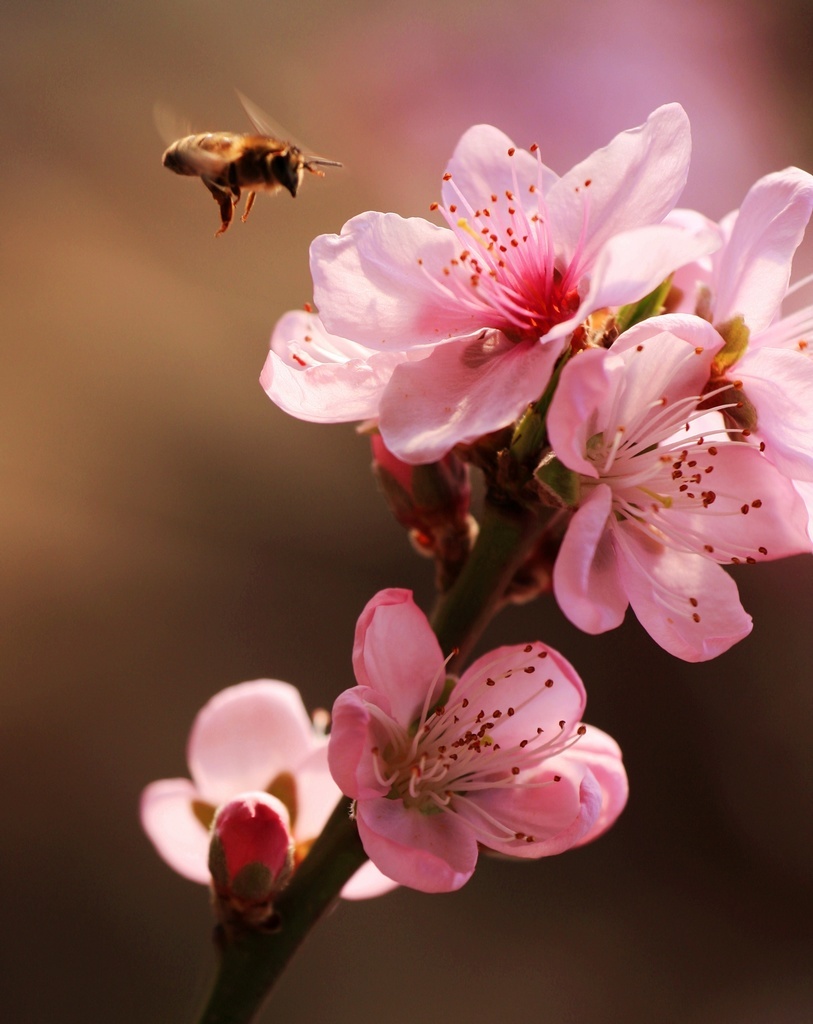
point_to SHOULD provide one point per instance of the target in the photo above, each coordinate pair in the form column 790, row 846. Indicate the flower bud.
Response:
column 432, row 502
column 251, row 856
column 425, row 496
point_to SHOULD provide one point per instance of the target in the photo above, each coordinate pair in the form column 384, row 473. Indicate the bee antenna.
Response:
column 320, row 161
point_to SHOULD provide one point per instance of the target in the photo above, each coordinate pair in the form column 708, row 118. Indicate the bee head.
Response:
column 286, row 168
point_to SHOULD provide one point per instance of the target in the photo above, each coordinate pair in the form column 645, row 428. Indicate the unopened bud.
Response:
column 251, row 856
column 422, row 497
column 432, row 502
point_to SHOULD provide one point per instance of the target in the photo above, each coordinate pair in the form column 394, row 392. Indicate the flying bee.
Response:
column 227, row 162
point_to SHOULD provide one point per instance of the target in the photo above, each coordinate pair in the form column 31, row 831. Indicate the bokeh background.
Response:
column 167, row 532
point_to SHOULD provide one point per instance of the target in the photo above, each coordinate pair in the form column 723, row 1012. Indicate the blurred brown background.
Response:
column 168, row 532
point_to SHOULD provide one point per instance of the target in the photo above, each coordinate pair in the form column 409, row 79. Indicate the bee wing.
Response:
column 266, row 125
column 170, row 126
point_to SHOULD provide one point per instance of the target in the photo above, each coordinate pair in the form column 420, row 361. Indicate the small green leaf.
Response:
column 558, row 481
column 650, row 305
column 736, row 336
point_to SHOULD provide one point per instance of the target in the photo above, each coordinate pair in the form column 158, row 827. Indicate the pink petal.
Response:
column 584, row 386
column 780, row 384
column 526, row 687
column 177, row 834
column 370, row 284
column 691, row 330
column 633, row 263
column 601, row 755
column 687, row 603
column 428, row 852
column 755, row 267
column 325, row 379
column 557, row 815
column 351, row 739
column 774, row 524
column 245, row 736
column 701, row 273
column 635, row 180
column 481, row 167
column 586, row 578
column 463, row 390
column 396, row 653
column 367, row 883
column 666, row 359
column 316, row 794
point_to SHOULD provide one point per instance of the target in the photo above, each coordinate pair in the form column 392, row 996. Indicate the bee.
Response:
column 227, row 162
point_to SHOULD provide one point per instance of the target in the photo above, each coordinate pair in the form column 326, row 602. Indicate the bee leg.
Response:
column 249, row 203
column 226, row 200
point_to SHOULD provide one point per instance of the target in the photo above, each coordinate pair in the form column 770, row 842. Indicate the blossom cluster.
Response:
column 679, row 398
column 624, row 373
column 437, row 767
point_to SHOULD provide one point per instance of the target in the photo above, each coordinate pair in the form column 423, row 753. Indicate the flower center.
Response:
column 660, row 461
column 466, row 745
column 506, row 271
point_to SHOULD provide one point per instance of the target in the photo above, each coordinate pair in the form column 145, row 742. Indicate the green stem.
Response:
column 507, row 535
column 251, row 962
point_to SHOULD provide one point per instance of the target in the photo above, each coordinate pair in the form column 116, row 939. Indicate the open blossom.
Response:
column 486, row 303
column 663, row 492
column 439, row 767
column 747, row 280
column 255, row 736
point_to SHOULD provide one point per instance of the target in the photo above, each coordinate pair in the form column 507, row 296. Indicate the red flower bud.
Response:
column 251, row 856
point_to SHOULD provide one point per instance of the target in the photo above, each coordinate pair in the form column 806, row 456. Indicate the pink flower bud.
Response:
column 251, row 856
column 426, row 496
column 432, row 502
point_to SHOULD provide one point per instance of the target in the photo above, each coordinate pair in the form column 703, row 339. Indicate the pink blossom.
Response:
column 748, row 278
column 663, row 493
column 439, row 767
column 255, row 736
column 489, row 300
